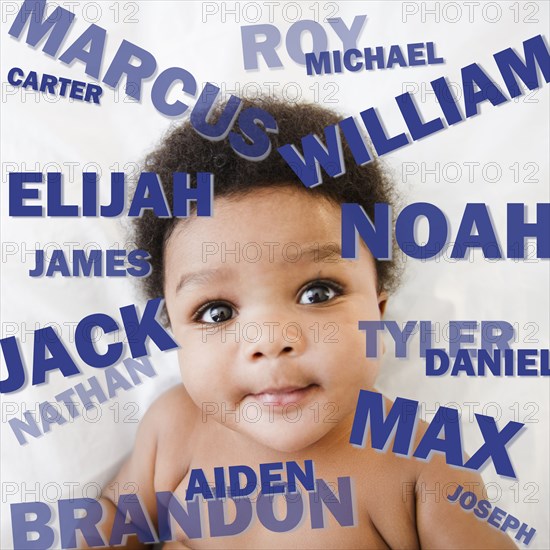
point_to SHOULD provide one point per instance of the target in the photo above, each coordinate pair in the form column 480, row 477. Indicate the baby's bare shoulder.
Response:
column 164, row 438
column 441, row 523
column 171, row 422
column 172, row 411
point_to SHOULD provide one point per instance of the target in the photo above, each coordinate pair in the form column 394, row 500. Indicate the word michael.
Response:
column 137, row 65
column 87, row 263
column 324, row 63
column 132, row 519
column 403, row 417
column 468, row 502
column 50, row 354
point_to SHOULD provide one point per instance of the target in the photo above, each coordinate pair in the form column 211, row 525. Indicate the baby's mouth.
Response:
column 280, row 397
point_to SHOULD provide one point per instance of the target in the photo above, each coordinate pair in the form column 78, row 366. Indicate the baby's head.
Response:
column 263, row 306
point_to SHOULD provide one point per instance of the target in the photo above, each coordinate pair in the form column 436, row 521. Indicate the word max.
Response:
column 403, row 417
column 49, row 353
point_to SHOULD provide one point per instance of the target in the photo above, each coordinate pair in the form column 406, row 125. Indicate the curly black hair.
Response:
column 184, row 150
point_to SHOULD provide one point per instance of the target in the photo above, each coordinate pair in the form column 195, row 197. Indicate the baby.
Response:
column 266, row 314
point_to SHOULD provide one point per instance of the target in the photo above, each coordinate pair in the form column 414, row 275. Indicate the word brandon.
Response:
column 132, row 519
column 49, row 353
column 321, row 63
column 468, row 501
column 48, row 84
column 475, row 230
column 400, row 423
column 494, row 334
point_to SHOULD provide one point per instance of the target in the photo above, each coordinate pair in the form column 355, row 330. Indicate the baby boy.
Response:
column 266, row 315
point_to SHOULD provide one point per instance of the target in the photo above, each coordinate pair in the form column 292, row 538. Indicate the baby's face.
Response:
column 266, row 315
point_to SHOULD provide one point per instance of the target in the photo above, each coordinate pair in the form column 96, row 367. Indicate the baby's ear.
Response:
column 382, row 301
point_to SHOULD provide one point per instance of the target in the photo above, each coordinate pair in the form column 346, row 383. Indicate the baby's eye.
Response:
column 215, row 312
column 319, row 292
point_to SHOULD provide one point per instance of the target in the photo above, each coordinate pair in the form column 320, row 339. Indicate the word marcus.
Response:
column 137, row 65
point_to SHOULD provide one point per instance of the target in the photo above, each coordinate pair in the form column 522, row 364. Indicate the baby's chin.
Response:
column 285, row 437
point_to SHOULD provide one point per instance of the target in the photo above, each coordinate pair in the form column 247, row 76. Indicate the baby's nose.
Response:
column 272, row 340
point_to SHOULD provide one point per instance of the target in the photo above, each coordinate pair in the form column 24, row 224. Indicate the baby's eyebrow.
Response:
column 321, row 251
column 200, row 277
column 315, row 252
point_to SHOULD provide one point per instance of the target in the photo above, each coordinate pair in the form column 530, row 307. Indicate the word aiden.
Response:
column 404, row 413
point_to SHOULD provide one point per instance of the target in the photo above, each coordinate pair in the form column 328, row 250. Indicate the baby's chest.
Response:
column 355, row 500
column 334, row 515
column 275, row 521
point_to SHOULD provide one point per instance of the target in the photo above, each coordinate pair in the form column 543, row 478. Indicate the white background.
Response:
column 37, row 131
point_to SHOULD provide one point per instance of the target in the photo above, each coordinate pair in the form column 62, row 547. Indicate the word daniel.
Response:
column 254, row 123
